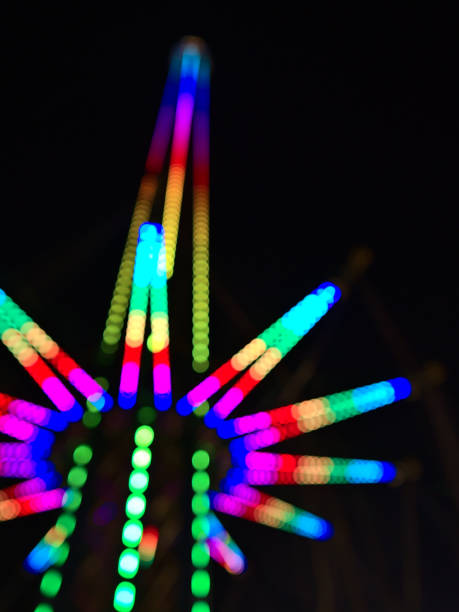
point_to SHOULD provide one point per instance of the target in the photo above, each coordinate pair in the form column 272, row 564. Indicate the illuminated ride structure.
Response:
column 162, row 441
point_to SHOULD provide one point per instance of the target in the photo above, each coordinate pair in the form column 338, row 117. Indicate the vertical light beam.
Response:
column 180, row 143
column 200, row 306
column 146, row 262
column 162, row 388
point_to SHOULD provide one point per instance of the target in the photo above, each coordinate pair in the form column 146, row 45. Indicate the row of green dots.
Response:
column 129, row 559
column 200, row 505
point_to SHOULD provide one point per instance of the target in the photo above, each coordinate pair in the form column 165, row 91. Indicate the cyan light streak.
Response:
column 265, row 350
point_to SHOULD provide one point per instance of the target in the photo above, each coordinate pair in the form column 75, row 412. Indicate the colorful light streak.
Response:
column 34, row 485
column 142, row 210
column 200, row 281
column 32, row 413
column 319, row 412
column 159, row 319
column 146, row 263
column 11, row 467
column 291, row 328
column 223, row 548
column 266, row 350
column 189, row 69
column 58, row 358
column 31, row 504
column 296, row 419
column 253, row 505
column 284, row 469
column 21, row 450
column 225, row 556
column 39, row 371
column 26, row 432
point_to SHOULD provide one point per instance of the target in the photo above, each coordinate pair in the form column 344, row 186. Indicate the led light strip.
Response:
column 223, row 548
column 11, row 467
column 129, row 559
column 322, row 411
column 291, row 328
column 58, row 358
column 162, row 388
column 11, row 426
column 200, row 282
column 32, row 413
column 281, row 336
column 253, row 505
column 225, row 556
column 10, row 451
column 146, row 262
column 180, row 142
column 34, row 485
column 39, row 371
column 30, row 504
column 300, row 418
column 274, row 468
column 200, row 529
column 142, row 210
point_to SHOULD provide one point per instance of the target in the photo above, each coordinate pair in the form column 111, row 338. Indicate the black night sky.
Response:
column 331, row 130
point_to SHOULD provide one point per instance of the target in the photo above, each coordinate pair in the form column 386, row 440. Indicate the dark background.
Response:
column 330, row 129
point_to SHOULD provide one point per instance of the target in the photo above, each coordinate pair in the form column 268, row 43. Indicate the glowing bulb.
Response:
column 128, row 564
column 141, row 458
column 132, row 533
column 135, row 505
column 144, row 436
column 124, row 597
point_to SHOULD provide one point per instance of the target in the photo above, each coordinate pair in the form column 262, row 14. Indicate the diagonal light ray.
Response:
column 31, row 504
column 223, row 549
column 316, row 413
column 280, row 337
column 39, row 371
column 296, row 419
column 38, row 484
column 251, row 504
column 52, row 352
column 32, row 413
